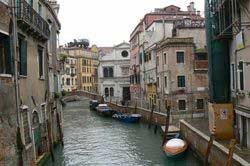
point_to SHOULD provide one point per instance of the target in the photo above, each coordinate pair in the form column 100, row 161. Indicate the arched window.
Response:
column 105, row 72
column 106, row 91
column 111, row 91
column 111, row 72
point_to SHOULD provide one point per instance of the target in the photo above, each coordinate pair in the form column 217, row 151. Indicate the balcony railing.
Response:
column 31, row 22
column 201, row 64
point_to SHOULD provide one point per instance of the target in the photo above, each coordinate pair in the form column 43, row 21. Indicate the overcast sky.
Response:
column 108, row 22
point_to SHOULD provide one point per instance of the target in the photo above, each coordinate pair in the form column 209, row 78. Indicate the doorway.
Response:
column 126, row 93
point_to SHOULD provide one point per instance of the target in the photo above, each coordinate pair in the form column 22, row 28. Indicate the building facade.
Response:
column 80, row 68
column 33, row 128
column 113, row 71
column 240, row 72
column 153, row 28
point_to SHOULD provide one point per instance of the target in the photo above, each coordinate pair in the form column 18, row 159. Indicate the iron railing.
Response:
column 30, row 21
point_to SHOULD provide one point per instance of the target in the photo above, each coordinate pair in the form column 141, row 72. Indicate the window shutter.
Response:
column 23, row 58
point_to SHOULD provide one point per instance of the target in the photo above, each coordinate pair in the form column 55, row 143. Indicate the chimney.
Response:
column 188, row 8
column 192, row 6
column 198, row 13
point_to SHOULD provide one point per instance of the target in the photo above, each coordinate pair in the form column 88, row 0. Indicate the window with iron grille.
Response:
column 180, row 56
column 200, row 104
column 181, row 81
column 182, row 105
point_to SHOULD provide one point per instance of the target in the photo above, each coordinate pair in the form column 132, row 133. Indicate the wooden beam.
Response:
column 209, row 146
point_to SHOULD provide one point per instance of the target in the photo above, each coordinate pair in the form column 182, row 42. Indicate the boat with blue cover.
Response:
column 127, row 118
column 104, row 110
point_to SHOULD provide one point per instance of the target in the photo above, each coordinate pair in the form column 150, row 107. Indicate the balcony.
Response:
column 31, row 22
column 201, row 65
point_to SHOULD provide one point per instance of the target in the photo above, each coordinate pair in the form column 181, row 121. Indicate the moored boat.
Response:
column 175, row 148
column 93, row 104
column 132, row 118
column 104, row 110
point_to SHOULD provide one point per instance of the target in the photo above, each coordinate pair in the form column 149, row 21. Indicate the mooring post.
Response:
column 135, row 111
column 151, row 116
column 231, row 152
column 156, row 121
column 209, row 146
column 166, row 126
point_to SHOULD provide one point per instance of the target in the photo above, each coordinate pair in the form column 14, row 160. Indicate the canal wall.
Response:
column 158, row 118
column 199, row 141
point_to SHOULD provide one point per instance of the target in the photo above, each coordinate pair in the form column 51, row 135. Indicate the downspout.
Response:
column 20, row 145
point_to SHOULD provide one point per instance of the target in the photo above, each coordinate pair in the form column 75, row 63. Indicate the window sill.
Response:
column 6, row 75
column 42, row 78
column 22, row 76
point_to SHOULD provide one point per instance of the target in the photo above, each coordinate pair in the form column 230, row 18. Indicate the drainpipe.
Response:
column 17, row 95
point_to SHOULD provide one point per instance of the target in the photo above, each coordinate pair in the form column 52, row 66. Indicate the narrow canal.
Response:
column 91, row 140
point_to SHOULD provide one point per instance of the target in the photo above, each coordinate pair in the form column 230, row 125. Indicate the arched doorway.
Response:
column 37, row 134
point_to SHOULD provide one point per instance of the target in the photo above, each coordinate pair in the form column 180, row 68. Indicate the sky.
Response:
column 108, row 22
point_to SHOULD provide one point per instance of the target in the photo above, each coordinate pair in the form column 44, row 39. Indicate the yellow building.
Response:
column 86, row 67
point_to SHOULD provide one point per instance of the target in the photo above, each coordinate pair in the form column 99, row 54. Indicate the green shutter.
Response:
column 23, row 58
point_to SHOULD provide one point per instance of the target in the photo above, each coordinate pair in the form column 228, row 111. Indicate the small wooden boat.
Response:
column 104, row 110
column 175, row 148
column 93, row 104
column 132, row 118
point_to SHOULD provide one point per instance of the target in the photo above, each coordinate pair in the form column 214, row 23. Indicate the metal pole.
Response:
column 15, row 64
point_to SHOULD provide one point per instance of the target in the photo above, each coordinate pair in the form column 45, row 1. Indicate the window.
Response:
column 165, row 58
column 72, row 81
column 67, row 61
column 158, row 81
column 180, row 56
column 35, row 119
column 112, row 91
column 108, row 72
column 5, row 56
column 201, row 56
column 166, row 81
column 182, row 105
column 68, row 81
column 22, row 55
column 41, row 62
column 106, row 92
column 67, row 71
column 241, row 73
column 63, row 81
column 233, row 76
column 200, row 104
column 26, row 126
column 124, row 54
column 181, row 81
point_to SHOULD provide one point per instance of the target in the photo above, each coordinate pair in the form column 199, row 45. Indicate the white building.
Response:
column 113, row 72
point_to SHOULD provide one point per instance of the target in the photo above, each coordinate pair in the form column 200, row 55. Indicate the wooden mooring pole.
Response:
column 209, row 146
column 166, row 126
column 231, row 152
column 151, row 116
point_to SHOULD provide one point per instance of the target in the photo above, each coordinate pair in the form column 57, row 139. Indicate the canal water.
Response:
column 91, row 140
